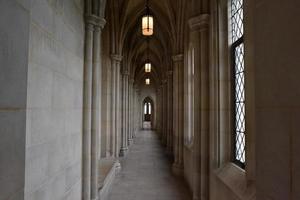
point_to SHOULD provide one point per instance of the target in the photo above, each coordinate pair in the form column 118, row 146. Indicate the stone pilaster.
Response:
column 200, row 35
column 178, row 113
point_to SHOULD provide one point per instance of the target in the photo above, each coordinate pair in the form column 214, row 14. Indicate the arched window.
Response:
column 147, row 111
column 145, row 108
column 238, row 67
column 149, row 108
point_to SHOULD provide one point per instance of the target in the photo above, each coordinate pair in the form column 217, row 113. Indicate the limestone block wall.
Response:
column 54, row 108
column 14, row 34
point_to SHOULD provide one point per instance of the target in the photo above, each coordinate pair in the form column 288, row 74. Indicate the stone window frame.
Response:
column 240, row 182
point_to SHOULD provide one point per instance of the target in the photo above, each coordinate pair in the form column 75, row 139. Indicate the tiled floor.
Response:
column 146, row 173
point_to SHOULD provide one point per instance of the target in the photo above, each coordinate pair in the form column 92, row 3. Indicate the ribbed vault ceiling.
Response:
column 125, row 16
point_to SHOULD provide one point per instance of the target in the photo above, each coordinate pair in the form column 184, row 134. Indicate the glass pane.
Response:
column 239, row 104
column 145, row 108
column 237, row 18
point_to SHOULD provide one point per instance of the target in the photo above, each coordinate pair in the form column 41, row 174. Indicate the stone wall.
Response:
column 14, row 34
column 54, row 110
column 277, row 98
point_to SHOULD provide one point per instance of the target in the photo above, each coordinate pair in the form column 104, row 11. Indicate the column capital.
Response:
column 125, row 73
column 116, row 57
column 177, row 58
column 95, row 20
column 200, row 22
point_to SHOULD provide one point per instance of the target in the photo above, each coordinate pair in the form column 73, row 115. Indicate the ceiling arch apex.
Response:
column 177, row 58
column 199, row 22
column 116, row 57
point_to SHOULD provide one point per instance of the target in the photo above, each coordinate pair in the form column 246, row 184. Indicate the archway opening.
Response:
column 148, row 113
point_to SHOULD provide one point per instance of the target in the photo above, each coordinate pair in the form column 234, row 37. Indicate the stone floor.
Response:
column 146, row 173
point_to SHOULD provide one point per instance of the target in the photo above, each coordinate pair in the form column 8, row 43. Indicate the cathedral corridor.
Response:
column 149, row 100
column 146, row 173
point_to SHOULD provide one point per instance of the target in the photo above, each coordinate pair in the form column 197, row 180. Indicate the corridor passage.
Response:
column 146, row 173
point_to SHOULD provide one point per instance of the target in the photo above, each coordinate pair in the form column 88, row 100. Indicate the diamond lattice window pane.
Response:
column 239, row 103
column 237, row 18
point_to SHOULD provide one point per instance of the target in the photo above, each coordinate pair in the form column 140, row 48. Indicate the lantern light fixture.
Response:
column 147, row 81
column 147, row 22
column 148, row 67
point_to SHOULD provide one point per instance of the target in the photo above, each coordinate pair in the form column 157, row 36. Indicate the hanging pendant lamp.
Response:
column 147, row 22
column 148, row 67
column 147, row 81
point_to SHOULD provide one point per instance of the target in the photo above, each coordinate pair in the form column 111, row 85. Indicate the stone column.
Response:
column 134, row 110
column 200, row 36
column 87, row 110
column 96, row 115
column 116, row 66
column 130, row 138
column 160, row 111
column 164, row 112
column 124, row 146
column 178, row 113
column 170, row 112
column 131, row 107
column 91, row 107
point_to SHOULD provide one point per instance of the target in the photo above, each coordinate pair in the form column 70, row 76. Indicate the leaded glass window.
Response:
column 238, row 53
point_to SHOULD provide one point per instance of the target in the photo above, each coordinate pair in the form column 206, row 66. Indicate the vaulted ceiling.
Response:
column 124, row 20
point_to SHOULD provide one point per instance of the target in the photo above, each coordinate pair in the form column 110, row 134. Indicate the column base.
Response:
column 123, row 151
column 177, row 169
column 118, row 166
column 130, row 141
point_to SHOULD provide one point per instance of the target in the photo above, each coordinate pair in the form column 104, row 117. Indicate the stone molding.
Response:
column 95, row 20
column 177, row 58
column 199, row 22
column 116, row 57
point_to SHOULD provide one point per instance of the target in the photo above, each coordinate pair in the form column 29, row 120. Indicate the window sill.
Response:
column 235, row 179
